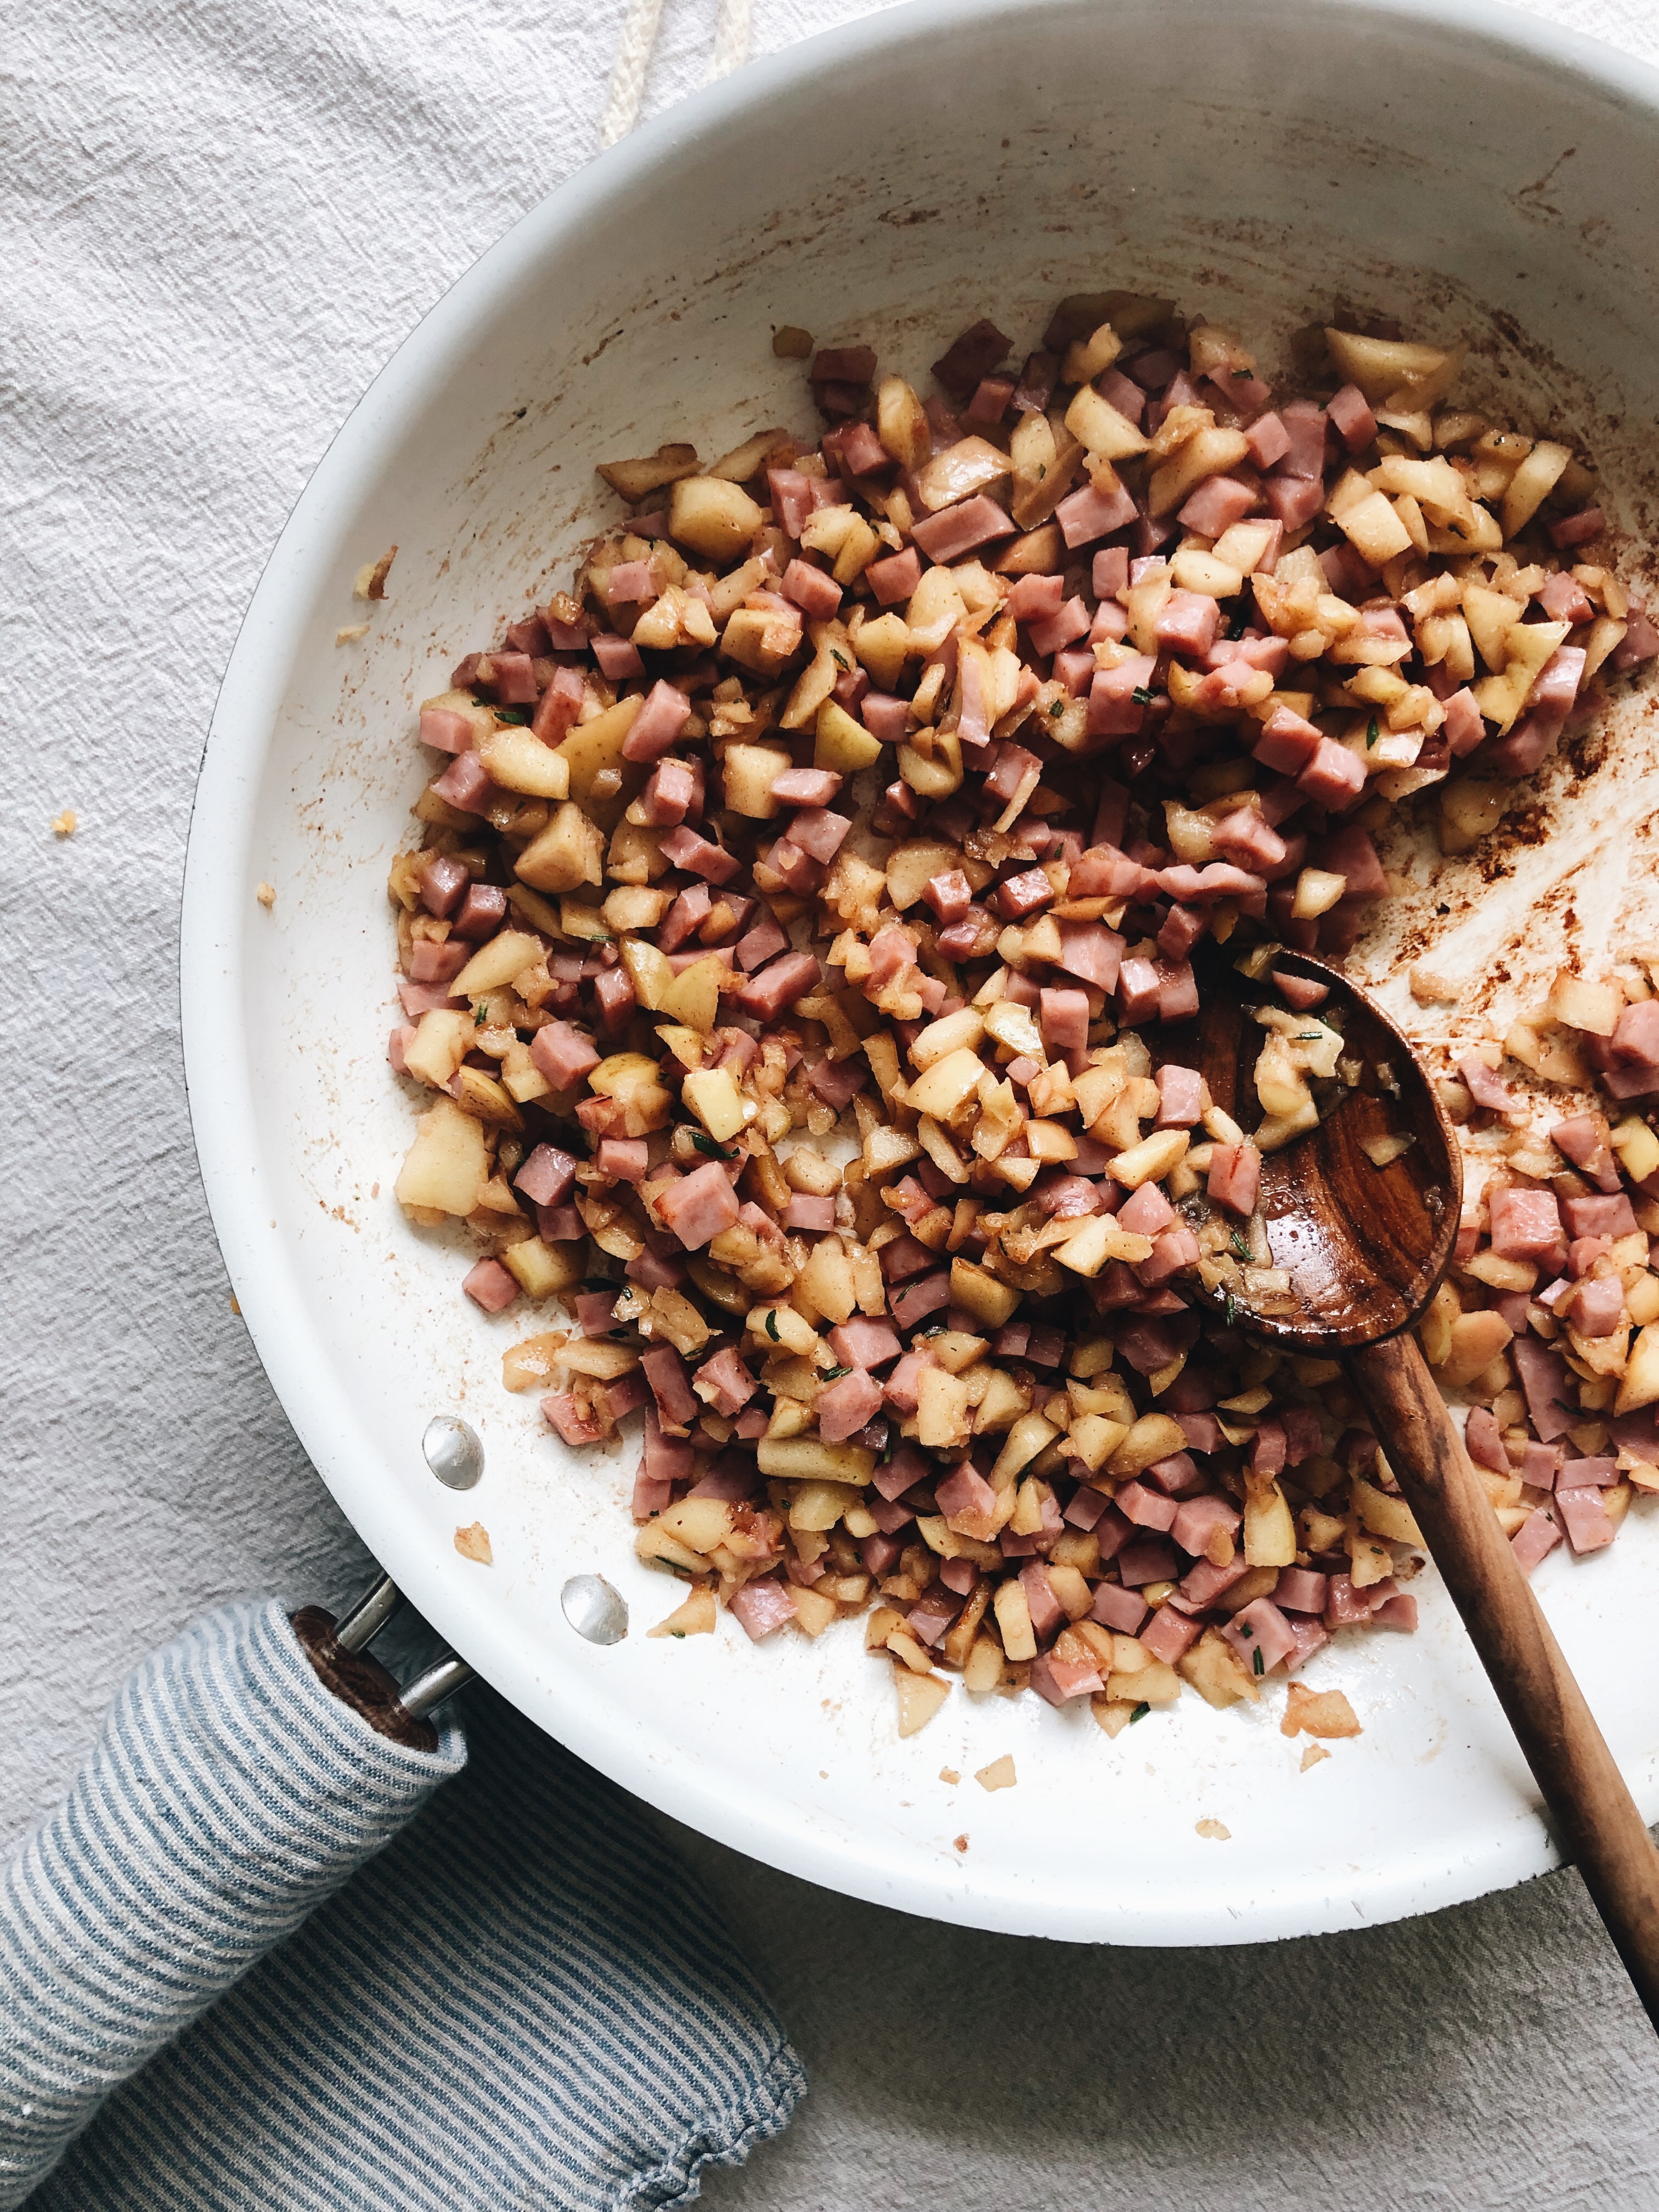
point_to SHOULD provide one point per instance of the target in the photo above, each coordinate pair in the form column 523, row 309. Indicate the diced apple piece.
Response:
column 1208, row 453
column 1318, row 890
column 1100, row 429
column 883, row 647
column 919, row 1697
column 700, row 1524
column 1406, row 377
column 940, row 1089
column 901, row 423
column 1152, row 1437
column 1640, row 1385
column 634, row 480
column 713, row 1097
column 713, row 517
column 506, row 955
column 1269, row 1529
column 840, row 744
column 569, row 852
column 441, row 1042
column 977, row 1293
column 1532, row 483
column 542, row 1270
column 693, row 996
column 1385, row 1515
column 517, row 760
column 696, row 1617
column 1150, row 1159
column 801, row 1459
column 447, row 1165
column 751, row 771
column 1584, row 1005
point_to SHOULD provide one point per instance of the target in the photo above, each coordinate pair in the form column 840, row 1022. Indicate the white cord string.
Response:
column 731, row 33
column 639, row 39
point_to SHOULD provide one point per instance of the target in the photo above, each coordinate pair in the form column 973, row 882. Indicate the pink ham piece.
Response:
column 1584, row 1139
column 1300, row 992
column 1169, row 1634
column 1137, row 991
column 624, row 1159
column 1023, row 895
column 1147, row 1508
column 1188, row 622
column 482, row 913
column 1526, row 1224
column 895, row 579
column 1483, row 1087
column 1293, row 501
column 1147, row 1213
column 430, row 962
column 1598, row 1217
column 1578, row 529
column 1203, row 1584
column 1091, row 951
column 763, row 1606
column 1335, row 777
column 673, row 790
column 1484, row 1441
column 464, row 785
column 965, row 1495
column 1114, row 709
column 1544, row 1380
column 806, row 787
column 563, row 1055
column 511, row 676
column 923, row 1295
column 838, row 1082
column 560, row 1411
column 1064, row 1020
column 1053, row 633
column 1117, row 1608
column 1198, row 1521
column 1636, row 1035
column 1464, row 727
column 1047, row 1613
column 1535, row 1539
column 805, row 1211
column 630, row 583
column 846, row 1405
column 820, row 833
column 489, row 1285
column 1216, row 880
column 1269, row 441
column 778, row 985
column 1598, row 1306
column 725, row 1382
column 700, row 1206
column 948, row 894
column 1146, row 1559
column 1245, row 838
column 618, row 658
column 862, row 1342
column 1299, row 1590
column 448, row 731
column 1058, row 1680
column 1287, row 742
column 443, row 885
column 955, row 530
column 683, row 848
column 665, row 1370
column 817, row 594
column 1261, row 1635
column 1352, row 417
column 1584, row 1515
column 1218, row 502
column 1033, row 598
column 1085, row 515
column 1548, row 705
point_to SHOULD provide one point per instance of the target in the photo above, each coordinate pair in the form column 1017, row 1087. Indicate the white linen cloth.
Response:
column 216, row 224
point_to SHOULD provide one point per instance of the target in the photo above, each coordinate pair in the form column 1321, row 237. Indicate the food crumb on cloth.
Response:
column 949, row 1774
column 1216, row 1831
column 960, row 1844
column 1312, row 1756
column 349, row 633
column 472, row 1542
column 64, row 824
column 266, row 895
column 998, row 1775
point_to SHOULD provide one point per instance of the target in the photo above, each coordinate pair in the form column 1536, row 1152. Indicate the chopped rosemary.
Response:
column 1256, row 1657
column 1372, row 733
column 772, row 1323
column 1140, row 1713
column 1142, row 696
column 705, row 1143
column 1241, row 1248
column 520, row 715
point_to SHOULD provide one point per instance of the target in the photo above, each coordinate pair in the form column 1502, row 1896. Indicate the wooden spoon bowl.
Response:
column 1365, row 1247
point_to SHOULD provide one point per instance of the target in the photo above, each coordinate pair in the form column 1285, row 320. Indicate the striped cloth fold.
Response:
column 522, row 1999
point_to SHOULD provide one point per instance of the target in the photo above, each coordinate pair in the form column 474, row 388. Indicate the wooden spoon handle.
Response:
column 1594, row 1815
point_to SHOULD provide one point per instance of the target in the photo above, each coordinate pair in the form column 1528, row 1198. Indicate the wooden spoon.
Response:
column 1366, row 1248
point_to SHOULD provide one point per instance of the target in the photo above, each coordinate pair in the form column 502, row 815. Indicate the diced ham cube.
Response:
column 1114, row 709
column 1335, row 777
column 955, row 530
column 1299, row 1590
column 1544, row 1380
column 1119, row 1610
column 1636, row 1035
column 489, row 1285
column 1047, row 1613
column 924, row 1295
column 845, row 1404
column 625, row 1159
column 560, row 1411
column 1147, row 1212
column 563, row 1055
column 1188, row 622
column 762, row 1605
column 1146, row 1559
column 1350, row 411
column 806, row 1212
column 1269, row 441
column 950, row 896
column 1261, row 1635
column 699, row 1207
column 1526, row 1224
column 1087, row 515
column 1051, row 633
column 1137, row 991
column 1064, row 1019
column 683, row 848
column 618, row 657
column 1059, row 1680
column 673, row 790
column 1197, row 1520
column 1599, row 1217
column 1536, row 1538
column 1170, row 1633
column 1578, row 529
column 1034, row 598
column 767, row 993
column 815, row 592
column 1235, row 1178
column 1584, row 1515
column 725, row 1382
column 965, row 1494
column 1218, row 502
column 1300, row 992
column 1146, row 1508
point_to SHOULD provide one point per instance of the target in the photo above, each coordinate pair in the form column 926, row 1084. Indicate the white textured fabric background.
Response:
column 217, row 222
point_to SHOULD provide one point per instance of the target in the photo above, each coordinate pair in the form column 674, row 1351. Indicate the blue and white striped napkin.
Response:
column 521, row 1999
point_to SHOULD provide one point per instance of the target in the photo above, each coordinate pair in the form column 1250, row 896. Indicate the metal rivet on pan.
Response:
column 452, row 1451
column 594, row 1609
